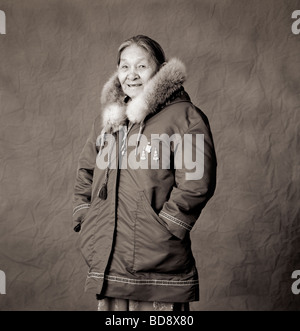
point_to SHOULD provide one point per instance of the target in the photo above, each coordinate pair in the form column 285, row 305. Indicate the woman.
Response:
column 136, row 198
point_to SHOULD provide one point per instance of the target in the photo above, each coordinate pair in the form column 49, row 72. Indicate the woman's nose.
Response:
column 132, row 75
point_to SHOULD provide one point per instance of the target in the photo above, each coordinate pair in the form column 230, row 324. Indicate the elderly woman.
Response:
column 138, row 190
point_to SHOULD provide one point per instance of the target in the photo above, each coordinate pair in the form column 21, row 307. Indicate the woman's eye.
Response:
column 142, row 66
column 124, row 66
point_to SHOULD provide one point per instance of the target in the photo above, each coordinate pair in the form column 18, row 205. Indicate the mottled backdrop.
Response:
column 243, row 64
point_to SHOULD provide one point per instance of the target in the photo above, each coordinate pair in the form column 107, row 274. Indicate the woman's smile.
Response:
column 134, row 85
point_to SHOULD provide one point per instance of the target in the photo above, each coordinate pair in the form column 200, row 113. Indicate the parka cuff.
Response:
column 176, row 226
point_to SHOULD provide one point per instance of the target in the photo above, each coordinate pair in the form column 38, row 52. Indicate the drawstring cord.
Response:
column 103, row 190
column 101, row 139
column 123, row 147
column 126, row 131
column 142, row 125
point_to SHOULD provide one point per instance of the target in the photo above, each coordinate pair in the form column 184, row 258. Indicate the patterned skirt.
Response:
column 115, row 304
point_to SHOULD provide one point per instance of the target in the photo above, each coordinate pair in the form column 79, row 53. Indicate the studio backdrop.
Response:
column 243, row 66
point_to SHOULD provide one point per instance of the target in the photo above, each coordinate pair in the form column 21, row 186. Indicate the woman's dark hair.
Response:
column 150, row 45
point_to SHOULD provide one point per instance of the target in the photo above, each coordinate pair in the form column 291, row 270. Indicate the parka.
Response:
column 147, row 170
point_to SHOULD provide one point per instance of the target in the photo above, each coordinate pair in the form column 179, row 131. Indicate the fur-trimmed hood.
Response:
column 156, row 92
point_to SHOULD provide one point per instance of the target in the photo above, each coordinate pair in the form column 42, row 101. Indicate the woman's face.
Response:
column 135, row 69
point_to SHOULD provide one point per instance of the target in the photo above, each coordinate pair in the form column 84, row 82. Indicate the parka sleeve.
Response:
column 190, row 195
column 84, row 178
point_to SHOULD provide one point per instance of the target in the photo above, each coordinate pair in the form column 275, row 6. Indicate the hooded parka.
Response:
column 147, row 170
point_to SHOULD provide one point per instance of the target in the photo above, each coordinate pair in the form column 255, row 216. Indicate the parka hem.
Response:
column 147, row 289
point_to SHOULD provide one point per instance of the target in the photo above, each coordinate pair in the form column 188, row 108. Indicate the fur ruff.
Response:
column 156, row 91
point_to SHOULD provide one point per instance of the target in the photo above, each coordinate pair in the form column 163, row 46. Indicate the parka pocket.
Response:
column 150, row 211
column 155, row 248
column 86, row 233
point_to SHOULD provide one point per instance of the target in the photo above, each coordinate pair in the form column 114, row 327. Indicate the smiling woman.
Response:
column 134, row 222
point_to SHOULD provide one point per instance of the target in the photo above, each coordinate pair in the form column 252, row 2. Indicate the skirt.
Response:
column 115, row 304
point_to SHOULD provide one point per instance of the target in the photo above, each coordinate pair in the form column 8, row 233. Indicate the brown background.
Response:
column 243, row 66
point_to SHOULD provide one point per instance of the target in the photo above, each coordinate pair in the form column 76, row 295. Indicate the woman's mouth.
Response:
column 134, row 85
